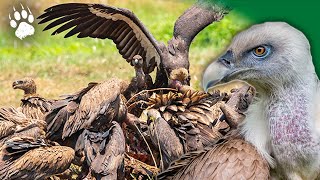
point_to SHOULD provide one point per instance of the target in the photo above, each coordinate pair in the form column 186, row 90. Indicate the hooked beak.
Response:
column 14, row 84
column 216, row 73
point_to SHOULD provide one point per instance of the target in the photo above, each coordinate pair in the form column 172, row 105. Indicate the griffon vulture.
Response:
column 33, row 105
column 284, row 121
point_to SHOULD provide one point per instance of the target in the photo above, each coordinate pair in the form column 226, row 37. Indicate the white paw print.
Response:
column 22, row 21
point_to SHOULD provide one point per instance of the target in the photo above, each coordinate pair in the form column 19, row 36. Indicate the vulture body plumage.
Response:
column 132, row 38
column 283, row 121
column 29, row 158
column 105, row 152
column 229, row 158
column 32, row 105
column 88, row 121
column 15, row 124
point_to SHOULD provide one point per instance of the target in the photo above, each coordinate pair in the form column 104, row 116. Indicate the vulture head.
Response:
column 283, row 121
column 26, row 84
column 179, row 77
column 137, row 61
column 267, row 56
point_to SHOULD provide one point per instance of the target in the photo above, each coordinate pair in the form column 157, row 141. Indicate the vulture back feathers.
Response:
column 24, row 157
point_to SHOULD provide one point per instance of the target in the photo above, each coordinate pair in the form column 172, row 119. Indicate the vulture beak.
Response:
column 217, row 73
column 15, row 83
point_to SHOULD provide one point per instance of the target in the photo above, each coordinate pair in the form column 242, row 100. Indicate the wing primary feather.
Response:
column 122, row 35
column 79, row 26
column 135, row 52
column 131, row 49
column 91, row 29
column 131, row 41
column 100, row 31
column 48, row 16
column 121, row 45
column 62, row 20
column 117, row 30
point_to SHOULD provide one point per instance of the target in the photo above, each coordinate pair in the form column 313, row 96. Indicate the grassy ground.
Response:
column 62, row 66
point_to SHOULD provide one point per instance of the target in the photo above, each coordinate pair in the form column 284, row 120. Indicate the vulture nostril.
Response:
column 225, row 62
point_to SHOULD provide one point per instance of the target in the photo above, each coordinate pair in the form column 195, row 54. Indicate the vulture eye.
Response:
column 261, row 51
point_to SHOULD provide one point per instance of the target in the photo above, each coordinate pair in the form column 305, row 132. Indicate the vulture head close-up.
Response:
column 267, row 55
column 26, row 84
column 283, row 122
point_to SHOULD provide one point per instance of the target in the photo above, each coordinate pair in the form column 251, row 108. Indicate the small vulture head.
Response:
column 26, row 84
column 137, row 61
column 179, row 77
column 267, row 56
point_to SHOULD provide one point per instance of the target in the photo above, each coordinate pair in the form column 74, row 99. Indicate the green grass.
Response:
column 62, row 66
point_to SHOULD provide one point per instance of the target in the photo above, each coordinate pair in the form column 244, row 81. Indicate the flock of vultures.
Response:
column 143, row 129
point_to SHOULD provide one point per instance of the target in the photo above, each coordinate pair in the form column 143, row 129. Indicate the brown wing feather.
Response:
column 36, row 107
column 96, row 100
column 233, row 159
column 40, row 162
column 106, row 160
column 6, row 128
column 100, row 21
column 169, row 142
column 61, row 111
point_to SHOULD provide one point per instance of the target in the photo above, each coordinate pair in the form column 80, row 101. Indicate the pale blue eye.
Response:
column 261, row 51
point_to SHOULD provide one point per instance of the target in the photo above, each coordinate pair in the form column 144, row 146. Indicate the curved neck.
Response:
column 30, row 91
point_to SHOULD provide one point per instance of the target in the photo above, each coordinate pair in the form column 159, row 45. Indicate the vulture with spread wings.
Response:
column 132, row 38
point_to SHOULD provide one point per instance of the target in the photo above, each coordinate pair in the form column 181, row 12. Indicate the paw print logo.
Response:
column 21, row 21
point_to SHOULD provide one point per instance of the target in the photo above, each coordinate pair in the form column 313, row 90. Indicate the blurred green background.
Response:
column 62, row 66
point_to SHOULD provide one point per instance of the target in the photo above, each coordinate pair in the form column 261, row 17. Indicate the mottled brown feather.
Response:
column 38, row 161
column 230, row 159
column 101, row 100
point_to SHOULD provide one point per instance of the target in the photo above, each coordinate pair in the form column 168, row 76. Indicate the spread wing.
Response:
column 100, row 21
column 103, row 99
column 232, row 159
column 36, row 160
